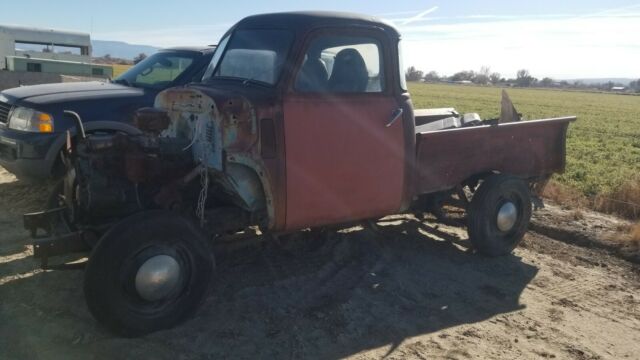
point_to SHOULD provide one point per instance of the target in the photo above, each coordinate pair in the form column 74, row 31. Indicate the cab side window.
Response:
column 341, row 64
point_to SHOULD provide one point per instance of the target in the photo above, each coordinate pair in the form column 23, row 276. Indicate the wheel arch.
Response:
column 475, row 178
column 246, row 183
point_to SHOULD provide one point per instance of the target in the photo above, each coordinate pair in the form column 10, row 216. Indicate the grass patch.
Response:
column 564, row 195
column 623, row 201
column 603, row 146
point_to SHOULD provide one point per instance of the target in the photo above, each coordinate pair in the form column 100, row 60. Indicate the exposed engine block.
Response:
column 117, row 174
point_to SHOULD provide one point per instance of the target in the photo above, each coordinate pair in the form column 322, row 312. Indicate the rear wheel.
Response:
column 499, row 215
column 149, row 272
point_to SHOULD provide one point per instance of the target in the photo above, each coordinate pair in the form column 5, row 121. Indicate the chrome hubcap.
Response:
column 157, row 277
column 507, row 216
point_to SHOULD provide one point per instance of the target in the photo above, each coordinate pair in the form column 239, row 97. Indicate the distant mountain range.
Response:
column 120, row 49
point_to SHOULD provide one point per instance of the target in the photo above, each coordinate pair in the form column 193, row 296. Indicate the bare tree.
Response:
column 494, row 77
column 468, row 75
column 524, row 78
column 547, row 82
column 139, row 58
column 482, row 77
column 432, row 76
column 414, row 74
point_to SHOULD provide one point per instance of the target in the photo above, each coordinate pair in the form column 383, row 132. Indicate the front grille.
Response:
column 5, row 109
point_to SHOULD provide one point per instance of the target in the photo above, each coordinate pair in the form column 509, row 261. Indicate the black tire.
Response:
column 110, row 276
column 484, row 231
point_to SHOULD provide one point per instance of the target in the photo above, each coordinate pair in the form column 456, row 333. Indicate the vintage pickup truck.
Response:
column 303, row 121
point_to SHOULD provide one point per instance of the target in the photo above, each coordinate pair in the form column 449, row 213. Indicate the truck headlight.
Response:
column 26, row 119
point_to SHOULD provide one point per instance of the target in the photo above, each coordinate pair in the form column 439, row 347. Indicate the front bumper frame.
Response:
column 48, row 243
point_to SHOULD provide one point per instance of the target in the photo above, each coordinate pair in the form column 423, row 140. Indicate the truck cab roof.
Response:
column 303, row 21
column 201, row 49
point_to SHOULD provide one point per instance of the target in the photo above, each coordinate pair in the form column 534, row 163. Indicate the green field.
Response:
column 119, row 69
column 603, row 147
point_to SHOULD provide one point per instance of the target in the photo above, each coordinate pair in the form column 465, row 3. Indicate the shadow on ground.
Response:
column 314, row 295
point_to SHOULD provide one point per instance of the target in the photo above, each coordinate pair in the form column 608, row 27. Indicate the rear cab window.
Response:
column 341, row 64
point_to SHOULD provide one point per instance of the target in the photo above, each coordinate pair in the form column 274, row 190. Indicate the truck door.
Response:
column 343, row 133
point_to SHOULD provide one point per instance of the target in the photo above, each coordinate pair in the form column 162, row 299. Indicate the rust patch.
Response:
column 151, row 120
column 222, row 131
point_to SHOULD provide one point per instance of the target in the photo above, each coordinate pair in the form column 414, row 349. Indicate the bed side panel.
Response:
column 525, row 149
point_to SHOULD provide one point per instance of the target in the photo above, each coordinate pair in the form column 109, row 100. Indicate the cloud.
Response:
column 170, row 36
column 602, row 44
column 593, row 45
column 419, row 16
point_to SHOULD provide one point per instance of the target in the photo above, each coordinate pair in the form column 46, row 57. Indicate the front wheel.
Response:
column 149, row 272
column 499, row 215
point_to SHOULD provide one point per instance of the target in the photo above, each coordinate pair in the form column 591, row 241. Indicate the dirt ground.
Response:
column 405, row 289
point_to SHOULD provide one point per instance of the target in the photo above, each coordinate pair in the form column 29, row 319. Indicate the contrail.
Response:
column 419, row 16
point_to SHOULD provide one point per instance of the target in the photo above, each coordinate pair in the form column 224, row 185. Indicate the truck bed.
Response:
column 425, row 116
column 527, row 149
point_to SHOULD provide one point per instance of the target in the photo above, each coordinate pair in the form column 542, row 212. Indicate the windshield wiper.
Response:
column 244, row 81
column 255, row 82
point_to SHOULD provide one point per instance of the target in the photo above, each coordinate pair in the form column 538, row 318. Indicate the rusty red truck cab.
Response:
column 312, row 103
column 303, row 120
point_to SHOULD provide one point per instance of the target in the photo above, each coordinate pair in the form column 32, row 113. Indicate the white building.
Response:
column 24, row 49
column 43, row 44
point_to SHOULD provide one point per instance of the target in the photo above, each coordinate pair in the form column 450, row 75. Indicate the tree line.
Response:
column 523, row 79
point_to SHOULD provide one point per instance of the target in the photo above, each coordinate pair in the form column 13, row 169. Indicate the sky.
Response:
column 559, row 39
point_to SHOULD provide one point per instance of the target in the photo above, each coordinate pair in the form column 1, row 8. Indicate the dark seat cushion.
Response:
column 349, row 72
column 312, row 77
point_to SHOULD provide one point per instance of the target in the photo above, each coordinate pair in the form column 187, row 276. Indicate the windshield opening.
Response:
column 158, row 70
column 255, row 55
